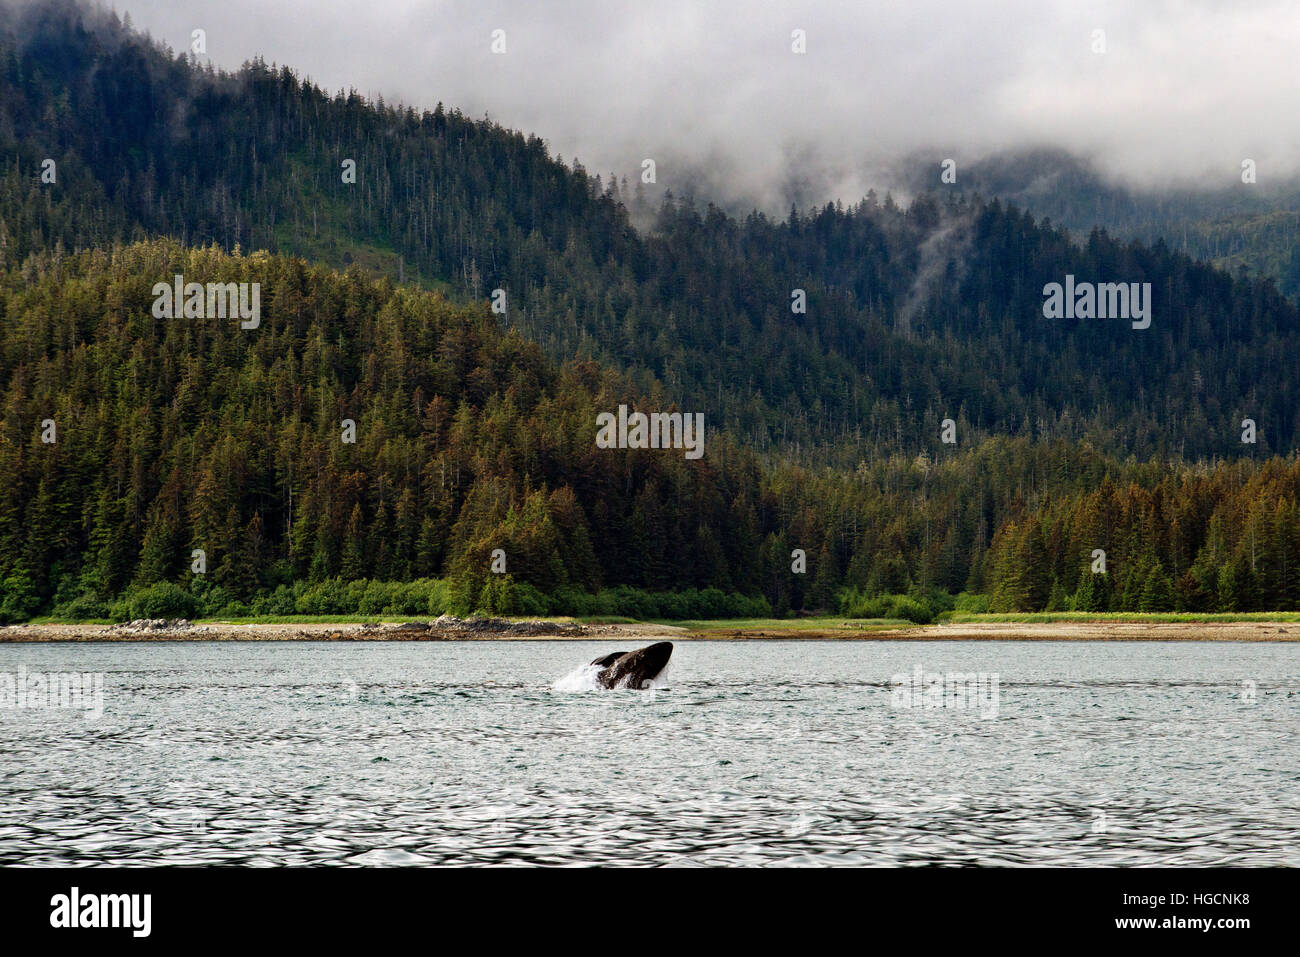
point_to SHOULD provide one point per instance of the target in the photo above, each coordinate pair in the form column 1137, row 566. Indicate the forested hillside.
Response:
column 129, row 440
column 1236, row 226
column 171, row 435
column 913, row 315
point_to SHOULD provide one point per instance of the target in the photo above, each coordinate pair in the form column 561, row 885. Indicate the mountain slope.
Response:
column 913, row 315
column 1252, row 227
column 128, row 440
column 477, row 431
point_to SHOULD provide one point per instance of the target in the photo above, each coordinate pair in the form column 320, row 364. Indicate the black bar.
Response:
column 559, row 906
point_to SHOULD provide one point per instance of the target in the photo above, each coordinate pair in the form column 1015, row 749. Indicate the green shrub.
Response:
column 327, row 597
column 18, row 598
column 375, row 598
column 163, row 600
column 211, row 599
column 915, row 608
column 437, row 596
column 82, row 608
column 970, row 603
column 902, row 606
column 532, row 603
column 624, row 601
column 279, row 602
column 567, row 600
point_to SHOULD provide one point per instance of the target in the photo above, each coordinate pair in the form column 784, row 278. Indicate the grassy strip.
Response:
column 1133, row 617
column 834, row 622
column 817, row 623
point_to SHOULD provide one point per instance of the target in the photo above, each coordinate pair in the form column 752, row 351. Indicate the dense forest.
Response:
column 1243, row 228
column 913, row 314
column 171, row 435
column 128, row 440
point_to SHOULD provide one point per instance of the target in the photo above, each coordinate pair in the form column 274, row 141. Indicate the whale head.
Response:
column 633, row 669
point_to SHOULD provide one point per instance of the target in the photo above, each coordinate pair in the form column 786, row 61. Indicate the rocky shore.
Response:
column 446, row 628
column 449, row 628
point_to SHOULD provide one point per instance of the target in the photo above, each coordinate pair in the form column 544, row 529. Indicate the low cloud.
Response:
column 1182, row 94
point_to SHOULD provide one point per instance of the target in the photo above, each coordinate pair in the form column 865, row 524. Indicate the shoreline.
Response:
column 1101, row 630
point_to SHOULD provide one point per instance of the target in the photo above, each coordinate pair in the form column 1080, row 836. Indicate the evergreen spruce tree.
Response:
column 1157, row 591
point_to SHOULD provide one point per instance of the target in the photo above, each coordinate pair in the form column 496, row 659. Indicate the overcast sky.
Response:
column 1183, row 92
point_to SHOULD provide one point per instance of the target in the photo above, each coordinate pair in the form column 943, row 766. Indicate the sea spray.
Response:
column 581, row 678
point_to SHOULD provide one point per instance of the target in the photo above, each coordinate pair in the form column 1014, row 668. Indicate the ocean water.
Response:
column 753, row 753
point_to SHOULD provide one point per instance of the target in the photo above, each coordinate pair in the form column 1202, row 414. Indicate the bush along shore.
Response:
column 430, row 597
column 464, row 609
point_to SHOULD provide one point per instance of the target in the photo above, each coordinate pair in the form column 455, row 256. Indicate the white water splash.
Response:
column 581, row 678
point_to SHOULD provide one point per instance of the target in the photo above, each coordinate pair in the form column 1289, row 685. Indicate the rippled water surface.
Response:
column 758, row 752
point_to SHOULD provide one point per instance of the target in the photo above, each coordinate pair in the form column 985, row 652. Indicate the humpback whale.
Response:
column 633, row 669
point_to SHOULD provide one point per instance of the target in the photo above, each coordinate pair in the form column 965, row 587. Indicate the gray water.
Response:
column 762, row 752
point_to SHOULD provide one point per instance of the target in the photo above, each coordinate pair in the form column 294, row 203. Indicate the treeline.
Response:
column 913, row 314
column 423, row 597
column 127, row 442
column 1222, row 539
